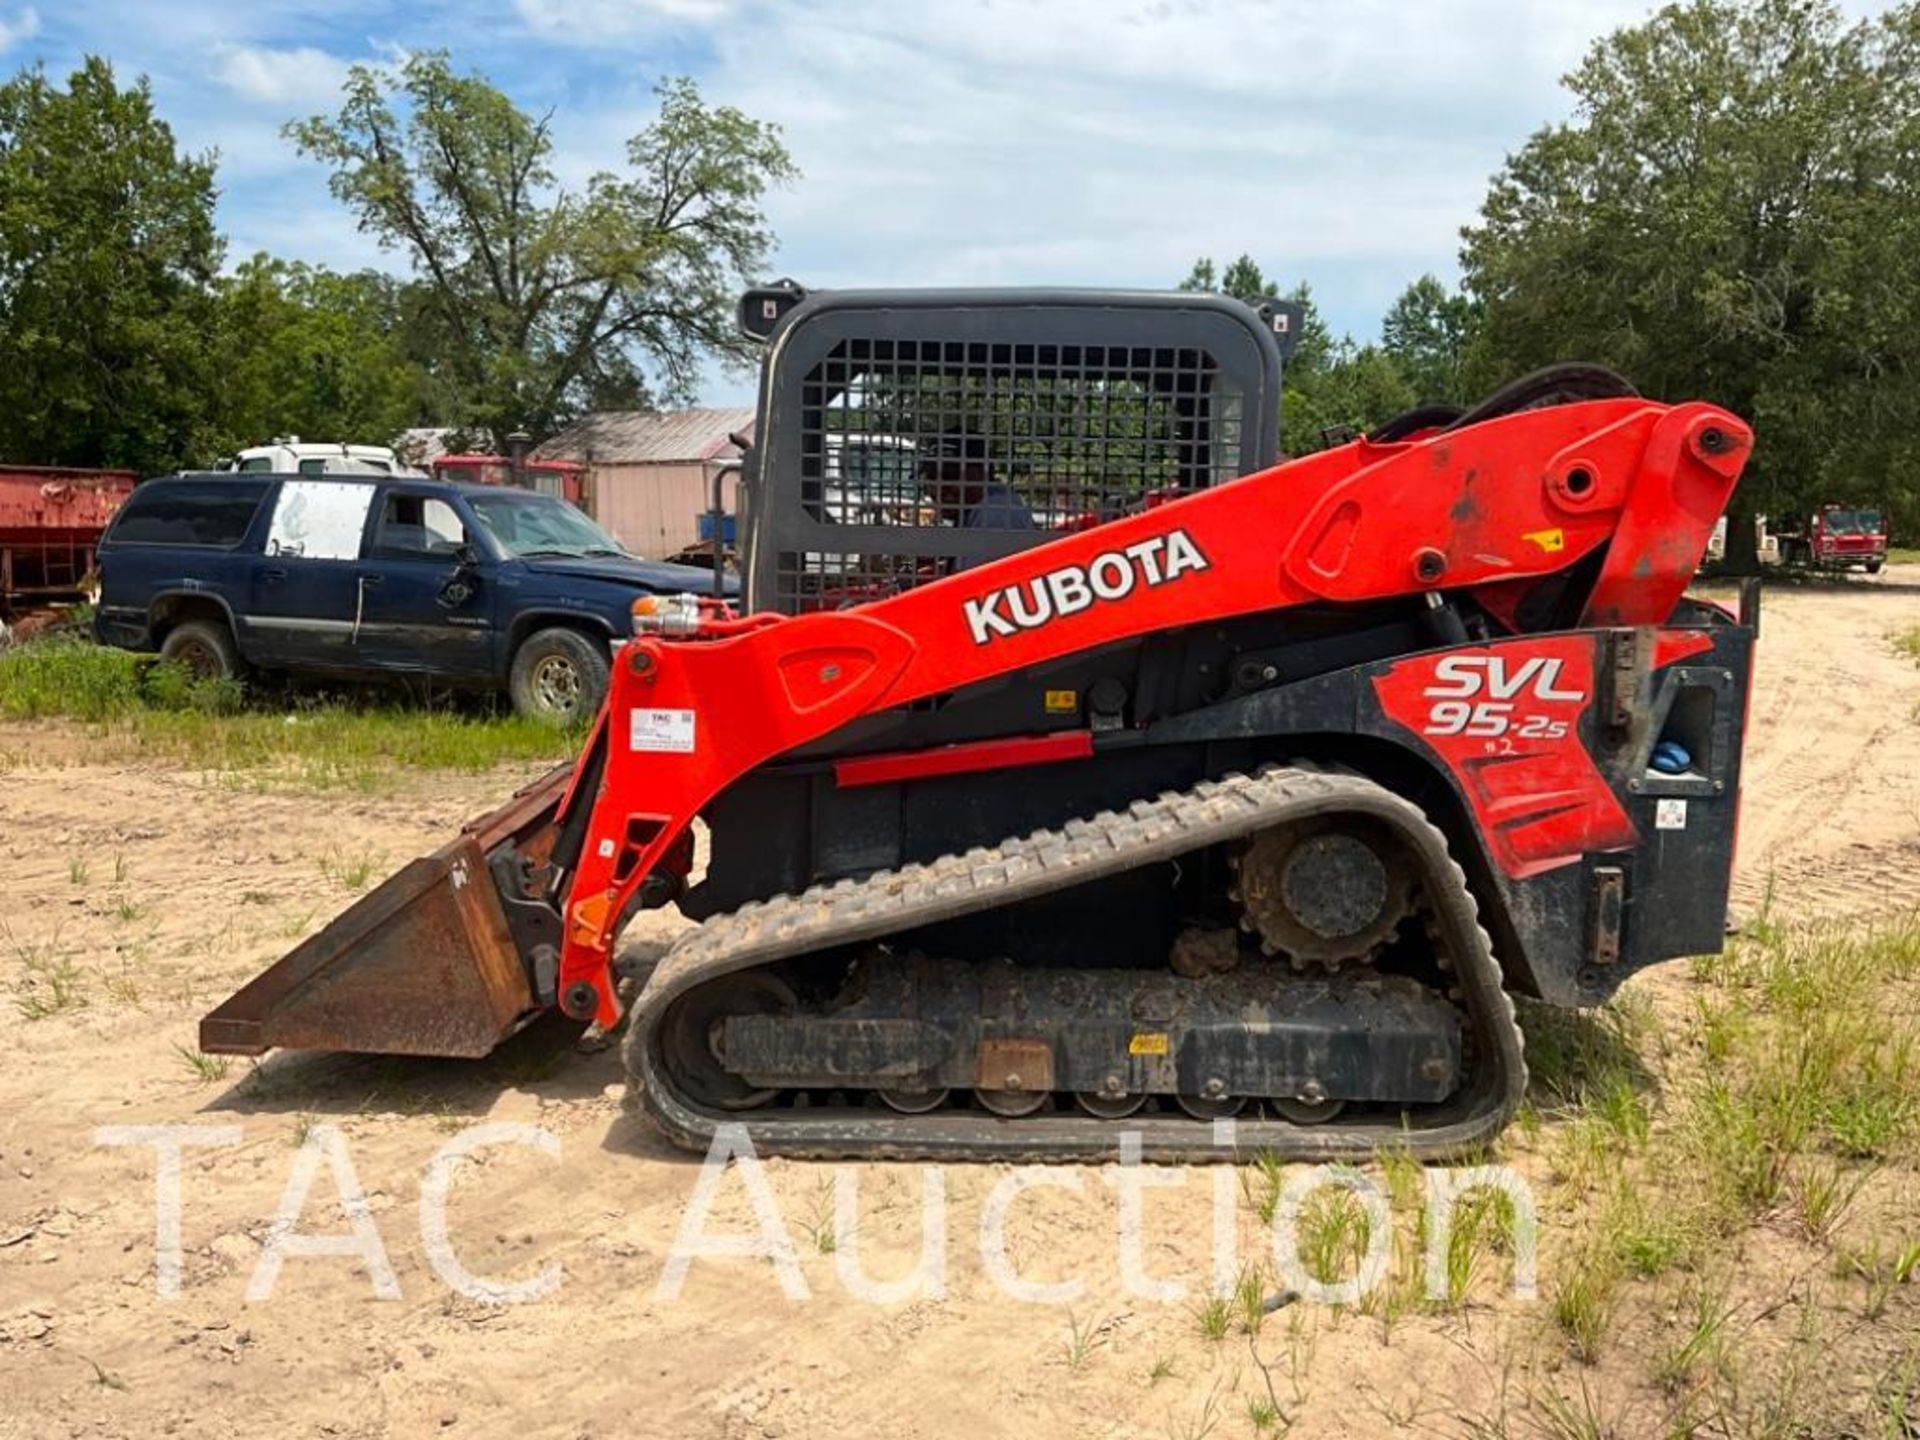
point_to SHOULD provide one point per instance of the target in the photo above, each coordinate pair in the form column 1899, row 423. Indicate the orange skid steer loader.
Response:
column 1080, row 764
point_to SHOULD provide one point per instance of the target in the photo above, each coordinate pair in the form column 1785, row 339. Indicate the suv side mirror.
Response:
column 464, row 580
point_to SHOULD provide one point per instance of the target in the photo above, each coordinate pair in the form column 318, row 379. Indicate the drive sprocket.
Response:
column 1327, row 892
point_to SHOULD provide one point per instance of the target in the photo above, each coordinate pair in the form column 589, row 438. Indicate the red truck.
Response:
column 1836, row 537
column 50, row 521
column 565, row 478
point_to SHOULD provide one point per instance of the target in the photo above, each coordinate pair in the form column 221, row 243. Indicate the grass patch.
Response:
column 50, row 983
column 1082, row 1338
column 1649, row 1234
column 1584, row 1304
column 65, row 677
column 1701, row 1348
column 351, row 872
column 1333, row 1234
column 1791, row 1086
column 204, row 1068
column 1482, row 1225
column 51, row 987
column 309, row 741
column 1907, row 642
column 1214, row 1316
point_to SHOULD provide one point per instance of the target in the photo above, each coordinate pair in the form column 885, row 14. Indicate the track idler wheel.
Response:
column 1324, row 892
column 693, row 1036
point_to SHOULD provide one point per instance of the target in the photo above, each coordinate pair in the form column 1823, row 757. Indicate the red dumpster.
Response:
column 50, row 521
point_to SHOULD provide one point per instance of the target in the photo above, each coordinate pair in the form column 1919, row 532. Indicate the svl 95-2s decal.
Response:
column 1518, row 692
column 1505, row 720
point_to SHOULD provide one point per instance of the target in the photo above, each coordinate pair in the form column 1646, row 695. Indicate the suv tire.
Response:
column 559, row 676
column 204, row 648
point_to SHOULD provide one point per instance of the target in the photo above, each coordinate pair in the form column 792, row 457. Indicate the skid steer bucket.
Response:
column 424, row 965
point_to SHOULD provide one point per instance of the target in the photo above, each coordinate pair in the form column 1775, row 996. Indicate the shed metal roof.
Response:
column 648, row 436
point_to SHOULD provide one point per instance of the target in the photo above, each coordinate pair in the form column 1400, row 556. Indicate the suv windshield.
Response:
column 528, row 525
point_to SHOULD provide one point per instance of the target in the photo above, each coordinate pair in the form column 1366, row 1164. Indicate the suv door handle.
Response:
column 366, row 580
column 274, row 573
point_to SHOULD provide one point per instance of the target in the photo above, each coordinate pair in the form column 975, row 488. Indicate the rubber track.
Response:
column 1148, row 831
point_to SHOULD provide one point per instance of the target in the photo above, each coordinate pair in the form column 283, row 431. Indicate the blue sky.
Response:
column 1097, row 142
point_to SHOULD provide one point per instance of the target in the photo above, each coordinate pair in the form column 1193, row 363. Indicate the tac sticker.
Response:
column 1669, row 814
column 1062, row 702
column 1551, row 542
column 1147, row 1044
column 670, row 731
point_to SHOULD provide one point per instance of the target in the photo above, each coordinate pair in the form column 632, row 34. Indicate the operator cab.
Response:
column 908, row 434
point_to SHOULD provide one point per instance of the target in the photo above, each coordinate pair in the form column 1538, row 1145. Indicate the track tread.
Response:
column 1146, row 831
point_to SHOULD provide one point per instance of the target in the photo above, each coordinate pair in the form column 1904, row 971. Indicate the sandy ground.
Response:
column 162, row 889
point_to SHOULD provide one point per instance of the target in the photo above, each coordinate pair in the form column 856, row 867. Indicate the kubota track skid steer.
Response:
column 1079, row 768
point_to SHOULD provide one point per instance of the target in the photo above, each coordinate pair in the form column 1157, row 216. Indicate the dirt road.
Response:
column 134, row 896
column 1832, row 810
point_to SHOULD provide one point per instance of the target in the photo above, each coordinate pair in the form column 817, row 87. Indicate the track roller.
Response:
column 1108, row 1107
column 1202, row 1107
column 1011, row 1104
column 914, row 1102
column 1306, row 1112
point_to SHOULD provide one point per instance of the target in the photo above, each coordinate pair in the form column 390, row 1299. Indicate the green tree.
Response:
column 1733, row 213
column 1328, row 385
column 107, row 254
column 1242, row 279
column 306, row 351
column 547, row 302
column 1426, row 334
column 1356, row 388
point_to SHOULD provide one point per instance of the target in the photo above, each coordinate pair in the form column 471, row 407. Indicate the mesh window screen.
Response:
column 910, row 440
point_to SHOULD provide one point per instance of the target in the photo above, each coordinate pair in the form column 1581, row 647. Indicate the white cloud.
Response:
column 303, row 75
column 596, row 22
column 1094, row 142
column 1112, row 141
column 23, row 26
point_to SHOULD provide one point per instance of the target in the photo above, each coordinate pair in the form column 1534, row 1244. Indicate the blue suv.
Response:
column 368, row 577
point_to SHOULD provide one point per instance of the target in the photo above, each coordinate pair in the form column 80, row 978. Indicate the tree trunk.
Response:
column 1743, row 540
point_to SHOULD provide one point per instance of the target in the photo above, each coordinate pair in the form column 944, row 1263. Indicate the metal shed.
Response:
column 649, row 473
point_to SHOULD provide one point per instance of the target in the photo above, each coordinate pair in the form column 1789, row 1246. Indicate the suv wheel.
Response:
column 558, row 675
column 204, row 648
